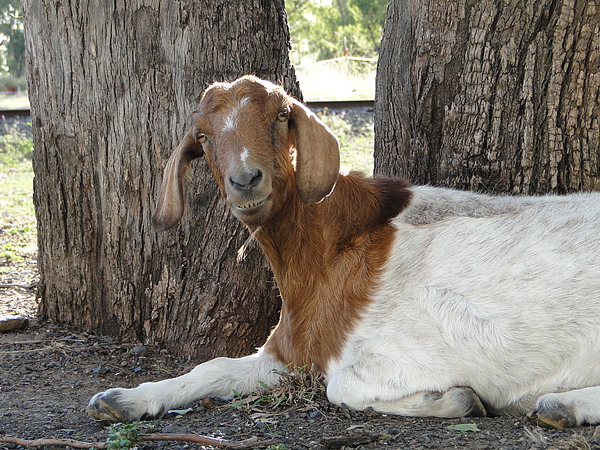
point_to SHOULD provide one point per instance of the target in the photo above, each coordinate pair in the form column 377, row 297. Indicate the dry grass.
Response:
column 299, row 388
column 14, row 101
column 326, row 83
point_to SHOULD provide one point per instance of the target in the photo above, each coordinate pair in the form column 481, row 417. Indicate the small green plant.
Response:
column 276, row 447
column 9, row 252
column 122, row 436
column 269, row 397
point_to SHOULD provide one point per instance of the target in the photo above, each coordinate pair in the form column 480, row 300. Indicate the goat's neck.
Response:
column 326, row 258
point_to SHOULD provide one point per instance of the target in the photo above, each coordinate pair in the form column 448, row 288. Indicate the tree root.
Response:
column 246, row 444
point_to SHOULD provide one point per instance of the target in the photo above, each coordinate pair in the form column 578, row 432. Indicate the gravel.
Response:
column 48, row 374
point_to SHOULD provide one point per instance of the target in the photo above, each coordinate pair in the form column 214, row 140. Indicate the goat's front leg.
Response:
column 568, row 409
column 219, row 377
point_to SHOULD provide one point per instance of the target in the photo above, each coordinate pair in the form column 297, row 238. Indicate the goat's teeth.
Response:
column 251, row 205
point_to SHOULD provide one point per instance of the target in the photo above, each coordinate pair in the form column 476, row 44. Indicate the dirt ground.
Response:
column 48, row 374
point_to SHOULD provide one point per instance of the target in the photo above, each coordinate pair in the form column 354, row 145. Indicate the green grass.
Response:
column 356, row 144
column 333, row 82
column 18, row 230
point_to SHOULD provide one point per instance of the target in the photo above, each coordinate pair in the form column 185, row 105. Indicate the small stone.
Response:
column 175, row 429
column 207, row 402
column 140, row 350
column 13, row 323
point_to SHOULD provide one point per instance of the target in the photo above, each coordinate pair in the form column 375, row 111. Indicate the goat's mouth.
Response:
column 249, row 208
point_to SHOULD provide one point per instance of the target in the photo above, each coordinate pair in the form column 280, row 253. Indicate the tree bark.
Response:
column 492, row 95
column 112, row 86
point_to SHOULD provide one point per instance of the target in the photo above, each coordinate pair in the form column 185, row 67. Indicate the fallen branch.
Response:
column 52, row 442
column 353, row 440
column 241, row 445
column 252, row 442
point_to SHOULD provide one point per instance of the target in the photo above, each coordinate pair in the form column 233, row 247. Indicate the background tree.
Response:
column 13, row 43
column 495, row 95
column 111, row 95
column 322, row 31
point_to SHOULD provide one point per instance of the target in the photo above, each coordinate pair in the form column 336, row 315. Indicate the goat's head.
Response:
column 248, row 131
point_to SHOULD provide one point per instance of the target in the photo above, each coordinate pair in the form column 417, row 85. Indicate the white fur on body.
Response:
column 500, row 294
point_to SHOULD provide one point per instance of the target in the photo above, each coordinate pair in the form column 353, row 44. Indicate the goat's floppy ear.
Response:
column 318, row 155
column 170, row 204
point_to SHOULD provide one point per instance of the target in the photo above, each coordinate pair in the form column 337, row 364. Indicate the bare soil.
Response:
column 48, row 373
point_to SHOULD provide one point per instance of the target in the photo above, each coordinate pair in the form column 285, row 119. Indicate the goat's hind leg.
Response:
column 568, row 409
column 356, row 387
column 458, row 401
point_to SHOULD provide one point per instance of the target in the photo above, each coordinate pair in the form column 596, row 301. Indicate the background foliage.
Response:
column 12, row 44
column 325, row 29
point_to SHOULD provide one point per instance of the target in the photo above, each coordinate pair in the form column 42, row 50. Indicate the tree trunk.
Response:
column 112, row 86
column 493, row 95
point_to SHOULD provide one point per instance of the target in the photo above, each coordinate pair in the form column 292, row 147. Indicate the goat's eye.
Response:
column 200, row 137
column 283, row 115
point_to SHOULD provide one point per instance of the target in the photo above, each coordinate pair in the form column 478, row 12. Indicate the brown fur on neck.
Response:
column 326, row 259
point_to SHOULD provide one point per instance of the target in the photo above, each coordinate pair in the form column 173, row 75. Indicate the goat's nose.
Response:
column 246, row 179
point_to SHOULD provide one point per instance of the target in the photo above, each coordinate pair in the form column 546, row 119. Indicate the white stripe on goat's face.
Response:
column 244, row 156
column 232, row 119
column 246, row 180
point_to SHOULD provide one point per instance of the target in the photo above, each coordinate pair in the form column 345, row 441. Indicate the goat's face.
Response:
column 259, row 143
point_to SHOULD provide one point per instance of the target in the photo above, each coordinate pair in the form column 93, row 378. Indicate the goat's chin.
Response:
column 255, row 214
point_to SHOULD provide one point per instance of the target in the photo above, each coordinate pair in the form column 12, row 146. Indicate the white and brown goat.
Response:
column 415, row 301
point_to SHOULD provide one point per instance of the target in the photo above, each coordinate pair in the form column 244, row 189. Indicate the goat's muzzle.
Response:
column 248, row 192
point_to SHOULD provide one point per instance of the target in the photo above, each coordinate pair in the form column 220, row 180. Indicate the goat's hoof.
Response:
column 555, row 416
column 110, row 407
column 550, row 412
column 472, row 404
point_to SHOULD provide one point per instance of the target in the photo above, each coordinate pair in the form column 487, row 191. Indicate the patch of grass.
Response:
column 298, row 387
column 335, row 83
column 15, row 147
column 18, row 230
column 356, row 141
column 122, row 436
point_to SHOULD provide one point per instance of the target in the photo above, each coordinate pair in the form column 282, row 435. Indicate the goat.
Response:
column 411, row 300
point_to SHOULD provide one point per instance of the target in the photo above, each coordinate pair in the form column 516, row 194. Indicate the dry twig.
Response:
column 241, row 445
column 52, row 442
